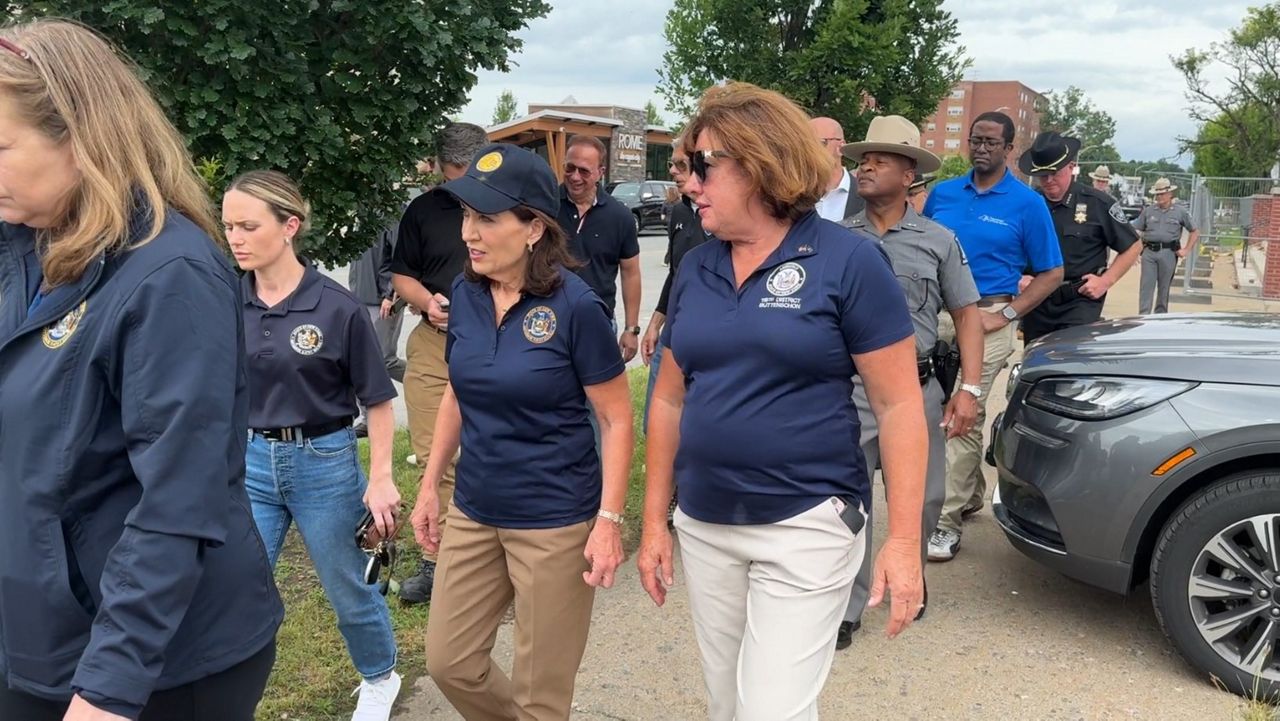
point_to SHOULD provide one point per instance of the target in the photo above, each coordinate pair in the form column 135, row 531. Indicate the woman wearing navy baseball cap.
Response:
column 536, row 513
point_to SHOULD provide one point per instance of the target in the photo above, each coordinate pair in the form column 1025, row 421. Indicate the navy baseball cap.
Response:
column 502, row 176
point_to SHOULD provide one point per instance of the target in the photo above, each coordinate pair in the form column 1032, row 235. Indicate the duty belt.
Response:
column 924, row 369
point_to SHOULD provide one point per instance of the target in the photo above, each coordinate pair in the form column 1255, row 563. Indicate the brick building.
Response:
column 946, row 132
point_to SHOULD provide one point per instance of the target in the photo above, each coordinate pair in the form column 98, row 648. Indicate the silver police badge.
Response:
column 306, row 339
column 59, row 333
column 539, row 324
column 785, row 280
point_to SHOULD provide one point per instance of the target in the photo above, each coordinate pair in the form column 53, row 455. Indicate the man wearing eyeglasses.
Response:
column 842, row 199
column 1004, row 228
column 602, row 235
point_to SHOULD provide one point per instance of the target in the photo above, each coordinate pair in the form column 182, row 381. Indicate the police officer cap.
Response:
column 1050, row 153
column 502, row 176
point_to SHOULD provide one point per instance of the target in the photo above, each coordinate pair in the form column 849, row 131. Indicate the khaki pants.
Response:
column 965, row 482
column 481, row 570
column 426, row 377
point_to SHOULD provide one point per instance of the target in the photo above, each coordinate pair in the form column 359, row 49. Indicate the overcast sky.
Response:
column 1118, row 52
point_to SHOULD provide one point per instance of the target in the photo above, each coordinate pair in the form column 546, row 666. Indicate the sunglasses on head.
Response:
column 701, row 160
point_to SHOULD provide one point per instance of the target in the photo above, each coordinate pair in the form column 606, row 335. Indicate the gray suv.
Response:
column 1148, row 450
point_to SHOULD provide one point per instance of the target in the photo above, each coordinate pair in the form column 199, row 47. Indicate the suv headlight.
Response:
column 1014, row 372
column 1095, row 398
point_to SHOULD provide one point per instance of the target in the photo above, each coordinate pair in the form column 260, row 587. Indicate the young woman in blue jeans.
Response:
column 312, row 353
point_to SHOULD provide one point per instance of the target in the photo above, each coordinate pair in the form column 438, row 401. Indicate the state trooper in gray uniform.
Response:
column 934, row 274
column 1161, row 226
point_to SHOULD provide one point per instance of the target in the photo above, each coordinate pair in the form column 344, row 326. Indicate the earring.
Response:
column 530, row 246
column 287, row 240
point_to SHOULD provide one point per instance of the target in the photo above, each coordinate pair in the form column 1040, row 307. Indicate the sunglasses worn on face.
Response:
column 571, row 169
column 701, row 160
column 680, row 166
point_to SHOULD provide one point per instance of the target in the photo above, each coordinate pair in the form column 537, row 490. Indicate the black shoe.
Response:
column 417, row 589
column 361, row 429
column 924, row 605
column 844, row 637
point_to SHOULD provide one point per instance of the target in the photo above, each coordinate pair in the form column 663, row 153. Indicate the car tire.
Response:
column 639, row 225
column 1215, row 574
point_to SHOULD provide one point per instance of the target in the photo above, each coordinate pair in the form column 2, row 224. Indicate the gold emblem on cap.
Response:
column 490, row 162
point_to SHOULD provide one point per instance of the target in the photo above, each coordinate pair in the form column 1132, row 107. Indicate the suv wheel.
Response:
column 636, row 217
column 1215, row 582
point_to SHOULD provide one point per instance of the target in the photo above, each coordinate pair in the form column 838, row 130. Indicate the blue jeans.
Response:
column 319, row 484
column 653, row 380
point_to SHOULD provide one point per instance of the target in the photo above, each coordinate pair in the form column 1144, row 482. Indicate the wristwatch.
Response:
column 973, row 390
column 610, row 516
column 1009, row 313
column 633, row 330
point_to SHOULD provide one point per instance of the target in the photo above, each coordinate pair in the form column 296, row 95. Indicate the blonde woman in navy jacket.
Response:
column 133, row 583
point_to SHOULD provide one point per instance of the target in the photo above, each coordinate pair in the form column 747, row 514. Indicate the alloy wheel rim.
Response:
column 1234, row 595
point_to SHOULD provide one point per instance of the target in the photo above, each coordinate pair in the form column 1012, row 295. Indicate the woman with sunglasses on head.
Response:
column 684, row 232
column 536, row 512
column 313, row 354
column 752, row 415
column 132, row 581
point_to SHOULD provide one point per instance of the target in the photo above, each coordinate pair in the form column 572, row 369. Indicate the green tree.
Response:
column 953, row 166
column 339, row 94
column 1071, row 113
column 505, row 111
column 848, row 59
column 1218, row 152
column 1240, row 118
column 651, row 116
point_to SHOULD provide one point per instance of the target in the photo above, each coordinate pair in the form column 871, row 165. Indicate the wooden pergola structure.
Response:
column 554, row 129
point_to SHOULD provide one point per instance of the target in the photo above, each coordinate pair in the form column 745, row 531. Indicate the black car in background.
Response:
column 647, row 201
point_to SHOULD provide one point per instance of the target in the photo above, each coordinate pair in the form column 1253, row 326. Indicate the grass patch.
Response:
column 313, row 678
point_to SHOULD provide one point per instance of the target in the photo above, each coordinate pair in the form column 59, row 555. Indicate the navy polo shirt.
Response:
column 1003, row 230
column 601, row 238
column 769, row 429
column 528, row 452
column 311, row 356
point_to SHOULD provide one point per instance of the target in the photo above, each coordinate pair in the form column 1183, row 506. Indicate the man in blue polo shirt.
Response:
column 602, row 234
column 1004, row 228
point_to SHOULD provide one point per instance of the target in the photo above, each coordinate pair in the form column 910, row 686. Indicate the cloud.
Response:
column 1117, row 52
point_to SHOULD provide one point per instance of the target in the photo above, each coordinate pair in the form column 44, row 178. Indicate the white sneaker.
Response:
column 411, row 459
column 376, row 698
column 943, row 545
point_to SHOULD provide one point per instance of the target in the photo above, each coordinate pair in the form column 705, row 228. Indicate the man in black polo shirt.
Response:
column 429, row 255
column 602, row 235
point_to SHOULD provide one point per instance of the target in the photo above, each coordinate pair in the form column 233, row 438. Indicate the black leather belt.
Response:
column 298, row 433
column 1158, row 246
column 991, row 300
column 924, row 368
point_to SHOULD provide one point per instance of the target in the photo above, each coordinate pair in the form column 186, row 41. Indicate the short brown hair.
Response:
column 591, row 142
column 550, row 254
column 769, row 137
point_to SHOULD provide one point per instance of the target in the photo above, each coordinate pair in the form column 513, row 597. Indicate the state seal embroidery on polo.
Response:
column 539, row 324
column 306, row 339
column 490, row 162
column 59, row 333
column 785, row 279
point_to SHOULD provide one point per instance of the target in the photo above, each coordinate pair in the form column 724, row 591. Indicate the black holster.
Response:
column 946, row 367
